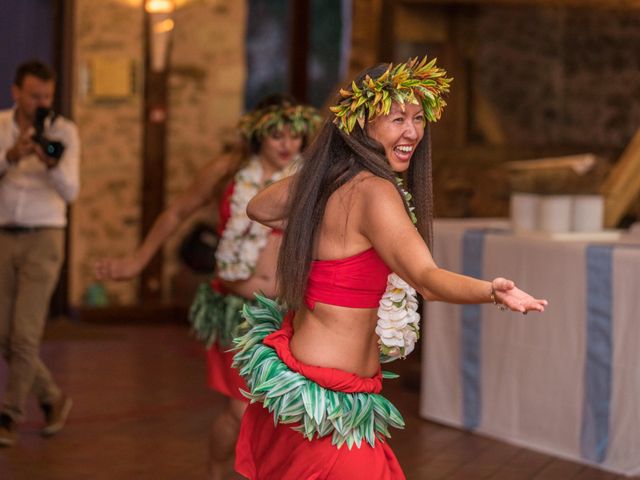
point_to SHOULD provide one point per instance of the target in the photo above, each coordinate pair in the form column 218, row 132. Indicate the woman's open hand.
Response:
column 513, row 298
column 122, row 268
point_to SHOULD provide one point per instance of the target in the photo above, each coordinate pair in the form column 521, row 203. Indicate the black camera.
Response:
column 51, row 148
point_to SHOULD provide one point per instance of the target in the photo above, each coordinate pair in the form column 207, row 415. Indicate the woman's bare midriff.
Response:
column 329, row 335
column 337, row 337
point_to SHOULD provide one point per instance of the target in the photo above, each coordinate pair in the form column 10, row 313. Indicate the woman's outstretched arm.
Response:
column 384, row 222
column 197, row 195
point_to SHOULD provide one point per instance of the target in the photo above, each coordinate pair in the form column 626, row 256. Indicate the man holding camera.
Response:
column 39, row 177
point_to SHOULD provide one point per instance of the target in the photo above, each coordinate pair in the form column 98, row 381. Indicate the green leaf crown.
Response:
column 420, row 83
column 302, row 119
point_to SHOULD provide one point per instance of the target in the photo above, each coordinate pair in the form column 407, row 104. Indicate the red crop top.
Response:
column 357, row 281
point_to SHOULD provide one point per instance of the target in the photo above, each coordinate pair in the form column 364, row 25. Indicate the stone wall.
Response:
column 538, row 82
column 206, row 91
column 561, row 75
column 106, row 216
column 556, row 80
column 206, row 98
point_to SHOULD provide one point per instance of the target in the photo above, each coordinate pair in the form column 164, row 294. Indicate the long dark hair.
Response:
column 332, row 160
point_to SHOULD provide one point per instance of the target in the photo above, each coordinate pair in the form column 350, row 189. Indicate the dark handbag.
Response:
column 198, row 248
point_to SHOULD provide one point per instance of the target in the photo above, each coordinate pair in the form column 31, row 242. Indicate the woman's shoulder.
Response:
column 370, row 187
column 364, row 195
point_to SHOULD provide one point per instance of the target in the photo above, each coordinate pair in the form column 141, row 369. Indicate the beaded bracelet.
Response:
column 494, row 299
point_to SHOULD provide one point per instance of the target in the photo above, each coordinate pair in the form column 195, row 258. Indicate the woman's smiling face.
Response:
column 280, row 147
column 399, row 133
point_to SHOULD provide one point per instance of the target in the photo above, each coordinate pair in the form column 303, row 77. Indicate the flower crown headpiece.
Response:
column 302, row 119
column 420, row 83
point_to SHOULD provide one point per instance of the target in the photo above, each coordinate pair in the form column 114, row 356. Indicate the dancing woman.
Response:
column 314, row 374
column 274, row 134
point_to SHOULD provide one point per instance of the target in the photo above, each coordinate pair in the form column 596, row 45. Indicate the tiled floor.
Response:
column 142, row 411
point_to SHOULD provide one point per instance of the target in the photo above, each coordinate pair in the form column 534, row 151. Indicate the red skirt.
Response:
column 222, row 377
column 266, row 452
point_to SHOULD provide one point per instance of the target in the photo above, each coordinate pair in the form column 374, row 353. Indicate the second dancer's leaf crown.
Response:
column 302, row 119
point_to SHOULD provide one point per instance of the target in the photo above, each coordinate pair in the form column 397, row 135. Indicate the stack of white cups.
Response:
column 556, row 213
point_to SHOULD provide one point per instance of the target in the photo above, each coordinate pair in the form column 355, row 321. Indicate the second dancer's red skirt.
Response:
column 222, row 377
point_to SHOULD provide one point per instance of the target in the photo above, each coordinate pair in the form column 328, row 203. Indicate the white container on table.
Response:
column 588, row 213
column 555, row 213
column 524, row 211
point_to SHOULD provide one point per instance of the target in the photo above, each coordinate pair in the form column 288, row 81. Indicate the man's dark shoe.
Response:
column 7, row 431
column 55, row 415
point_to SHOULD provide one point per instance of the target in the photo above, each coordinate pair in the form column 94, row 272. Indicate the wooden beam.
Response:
column 387, row 33
column 622, row 187
column 146, row 313
column 299, row 27
column 64, row 20
column 580, row 163
column 365, row 40
column 487, row 120
column 604, row 4
column 153, row 164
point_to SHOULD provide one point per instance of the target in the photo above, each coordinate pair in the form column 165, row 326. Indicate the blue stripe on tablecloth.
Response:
column 472, row 260
column 596, row 408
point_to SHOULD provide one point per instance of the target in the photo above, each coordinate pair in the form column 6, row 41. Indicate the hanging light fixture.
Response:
column 160, row 6
column 160, row 27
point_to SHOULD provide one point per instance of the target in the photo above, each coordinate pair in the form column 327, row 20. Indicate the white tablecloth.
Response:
column 566, row 382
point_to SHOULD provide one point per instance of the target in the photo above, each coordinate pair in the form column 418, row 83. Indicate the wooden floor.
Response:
column 142, row 411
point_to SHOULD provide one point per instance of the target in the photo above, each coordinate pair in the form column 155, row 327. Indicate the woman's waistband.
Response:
column 216, row 317
column 301, row 395
column 331, row 378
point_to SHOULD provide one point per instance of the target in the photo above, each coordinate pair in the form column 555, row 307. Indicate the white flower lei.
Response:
column 398, row 326
column 243, row 239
